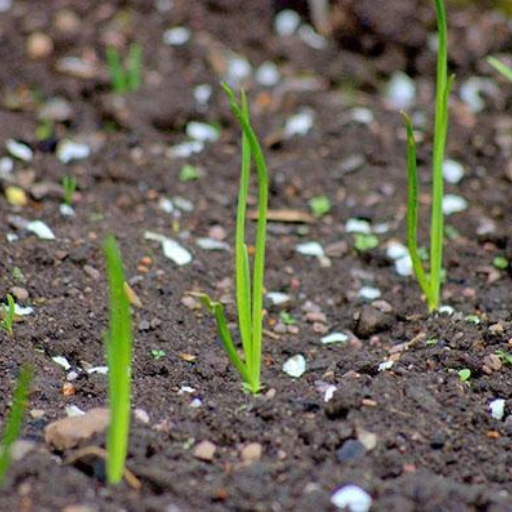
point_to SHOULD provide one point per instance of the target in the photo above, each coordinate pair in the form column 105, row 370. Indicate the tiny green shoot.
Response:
column 320, row 206
column 431, row 284
column 500, row 262
column 14, row 419
column 125, row 78
column 472, row 319
column 249, row 305
column 365, row 241
column 464, row 374
column 505, row 357
column 500, row 67
column 188, row 173
column 287, row 318
column 69, row 184
column 8, row 314
column 157, row 354
column 119, row 356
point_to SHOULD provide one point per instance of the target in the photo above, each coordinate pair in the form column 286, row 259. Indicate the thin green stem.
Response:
column 500, row 67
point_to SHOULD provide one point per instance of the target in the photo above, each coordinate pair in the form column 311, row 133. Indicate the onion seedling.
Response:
column 249, row 295
column 8, row 314
column 119, row 357
column 127, row 78
column 431, row 284
column 499, row 66
column 69, row 184
column 14, row 419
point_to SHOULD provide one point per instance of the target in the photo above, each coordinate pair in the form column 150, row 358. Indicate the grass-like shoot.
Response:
column 125, row 78
column 8, row 314
column 249, row 294
column 119, row 357
column 431, row 284
column 69, row 184
column 14, row 419
column 500, row 67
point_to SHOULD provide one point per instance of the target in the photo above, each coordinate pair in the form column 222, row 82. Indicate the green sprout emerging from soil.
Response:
column 126, row 78
column 14, row 419
column 250, row 306
column 69, row 184
column 431, row 285
column 8, row 314
column 500, row 67
column 119, row 357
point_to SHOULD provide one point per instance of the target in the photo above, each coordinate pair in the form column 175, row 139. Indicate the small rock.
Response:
column 335, row 337
column 358, row 226
column 176, row 36
column 286, row 22
column 299, row 124
column 295, row 366
column 369, row 293
column 316, row 316
column 19, row 293
column 310, row 249
column 172, row 249
column 277, row 298
column 497, row 408
column 251, row 453
column 202, row 132
column 56, row 109
column 69, row 433
column 205, row 450
column 19, row 150
column 351, row 450
column 80, row 508
column 371, row 321
column 454, row 204
column 453, row 171
column 41, row 230
column 401, row 91
column 68, row 151
column 352, row 498
column 39, row 46
column 141, row 415
column 268, row 74
column 92, row 272
column 492, row 363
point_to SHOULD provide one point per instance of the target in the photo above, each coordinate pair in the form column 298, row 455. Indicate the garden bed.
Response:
column 401, row 424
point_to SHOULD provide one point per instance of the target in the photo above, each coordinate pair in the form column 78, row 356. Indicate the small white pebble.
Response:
column 185, row 149
column 141, row 415
column 238, row 70
column 72, row 411
column 277, row 298
column 19, row 150
column 61, row 361
column 386, row 365
column 22, row 311
column 6, row 167
column 453, row 171
column 352, row 498
column 358, row 226
column 210, row 244
column 172, row 249
column 299, row 124
column 186, row 389
column 295, row 366
column 369, row 293
column 454, row 204
column 66, row 210
column 335, row 337
column 286, row 22
column 310, row 249
column 196, row 403
column 497, row 408
column 101, row 370
column 202, row 132
column 313, row 39
column 176, row 36
column 202, row 94
column 268, row 74
column 68, row 151
column 41, row 230
column 166, row 205
column 400, row 91
column 362, row 115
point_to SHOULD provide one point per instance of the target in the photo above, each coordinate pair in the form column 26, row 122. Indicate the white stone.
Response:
column 299, row 124
column 203, row 93
column 497, row 408
column 172, row 249
column 352, row 498
column 68, row 151
column 386, row 365
column 210, row 244
column 403, row 266
column 313, row 39
column 471, row 92
column 400, row 91
column 66, row 210
column 61, row 361
column 358, row 226
column 295, row 366
column 454, row 204
column 238, row 70
column 369, row 293
column 41, row 230
column 335, row 337
column 185, row 149
column 19, row 150
column 362, row 115
column 73, row 411
column 202, row 132
column 176, row 36
column 6, row 167
column 286, row 22
column 453, row 171
column 396, row 250
column 310, row 249
column 22, row 311
column 277, row 298
column 268, row 74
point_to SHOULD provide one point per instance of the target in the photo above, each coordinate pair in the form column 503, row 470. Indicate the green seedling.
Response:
column 431, row 284
column 500, row 262
column 188, row 173
column 505, row 357
column 14, row 419
column 464, row 374
column 365, row 241
column 157, row 354
column 249, row 305
column 119, row 357
column 287, row 318
column 8, row 314
column 320, row 206
column 69, row 184
column 500, row 67
column 125, row 78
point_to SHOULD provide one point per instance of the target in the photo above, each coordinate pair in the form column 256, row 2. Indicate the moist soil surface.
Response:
column 411, row 432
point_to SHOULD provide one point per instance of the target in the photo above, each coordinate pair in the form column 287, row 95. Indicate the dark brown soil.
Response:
column 437, row 446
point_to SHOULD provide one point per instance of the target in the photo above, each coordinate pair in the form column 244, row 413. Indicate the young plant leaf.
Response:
column 119, row 357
